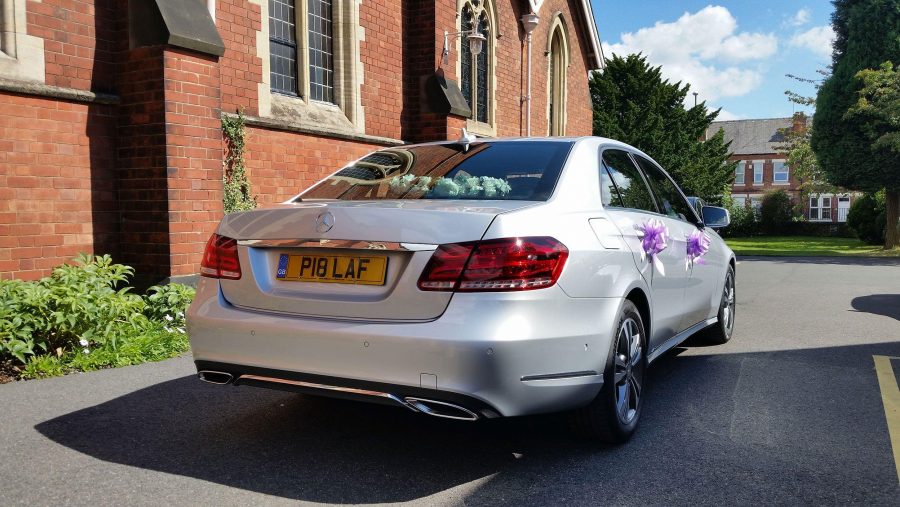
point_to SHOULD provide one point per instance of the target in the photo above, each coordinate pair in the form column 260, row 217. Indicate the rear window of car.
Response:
column 519, row 170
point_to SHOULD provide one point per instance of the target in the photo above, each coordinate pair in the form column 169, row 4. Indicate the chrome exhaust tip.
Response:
column 441, row 409
column 219, row 378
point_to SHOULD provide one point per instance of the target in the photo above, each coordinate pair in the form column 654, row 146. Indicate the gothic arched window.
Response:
column 475, row 71
column 556, row 86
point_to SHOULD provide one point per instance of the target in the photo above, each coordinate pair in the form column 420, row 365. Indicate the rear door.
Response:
column 632, row 206
column 700, row 277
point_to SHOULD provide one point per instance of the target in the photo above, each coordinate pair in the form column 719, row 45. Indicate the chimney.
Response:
column 799, row 123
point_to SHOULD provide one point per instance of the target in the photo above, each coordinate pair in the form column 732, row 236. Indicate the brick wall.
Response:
column 141, row 163
column 57, row 187
column 57, row 193
column 238, row 22
column 511, row 74
column 193, row 156
column 281, row 164
column 382, row 54
column 80, row 39
column 142, row 179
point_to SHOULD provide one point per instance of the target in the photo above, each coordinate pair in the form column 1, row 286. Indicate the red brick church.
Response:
column 110, row 132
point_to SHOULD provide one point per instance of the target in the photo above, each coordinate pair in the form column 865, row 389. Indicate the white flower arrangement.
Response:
column 460, row 185
column 446, row 187
column 423, row 184
column 402, row 183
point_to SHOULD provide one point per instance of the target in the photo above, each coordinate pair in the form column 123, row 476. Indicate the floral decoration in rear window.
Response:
column 462, row 185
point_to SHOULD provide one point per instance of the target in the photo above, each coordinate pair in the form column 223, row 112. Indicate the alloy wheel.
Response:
column 728, row 302
column 629, row 370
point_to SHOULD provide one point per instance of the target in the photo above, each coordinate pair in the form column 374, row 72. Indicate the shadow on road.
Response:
column 878, row 304
column 726, row 428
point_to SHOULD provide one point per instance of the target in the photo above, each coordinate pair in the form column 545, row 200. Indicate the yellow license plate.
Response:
column 356, row 269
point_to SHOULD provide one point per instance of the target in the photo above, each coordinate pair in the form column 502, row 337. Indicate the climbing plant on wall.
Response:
column 237, row 195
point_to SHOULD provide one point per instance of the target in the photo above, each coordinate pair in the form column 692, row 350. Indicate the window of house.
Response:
column 780, row 172
column 293, row 69
column 813, row 208
column 739, row 173
column 756, row 203
column 556, row 90
column 476, row 72
column 758, row 171
column 825, row 204
column 820, row 208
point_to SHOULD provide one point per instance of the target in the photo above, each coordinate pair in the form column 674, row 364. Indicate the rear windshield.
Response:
column 518, row 171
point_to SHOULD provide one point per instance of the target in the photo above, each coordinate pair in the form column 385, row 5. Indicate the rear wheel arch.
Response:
column 639, row 298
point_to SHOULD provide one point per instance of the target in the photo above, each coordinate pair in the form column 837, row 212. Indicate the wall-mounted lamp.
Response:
column 476, row 42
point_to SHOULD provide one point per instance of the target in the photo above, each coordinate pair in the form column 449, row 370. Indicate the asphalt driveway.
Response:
column 789, row 412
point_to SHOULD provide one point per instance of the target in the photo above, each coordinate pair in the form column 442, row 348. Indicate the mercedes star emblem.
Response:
column 324, row 222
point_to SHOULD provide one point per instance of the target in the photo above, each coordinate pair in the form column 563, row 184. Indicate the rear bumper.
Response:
column 504, row 353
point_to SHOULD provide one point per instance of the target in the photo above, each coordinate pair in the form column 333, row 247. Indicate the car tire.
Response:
column 720, row 332
column 614, row 414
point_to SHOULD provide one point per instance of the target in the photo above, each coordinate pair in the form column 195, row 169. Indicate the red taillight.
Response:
column 220, row 260
column 495, row 265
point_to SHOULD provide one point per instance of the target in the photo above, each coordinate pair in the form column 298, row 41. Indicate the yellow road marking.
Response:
column 890, row 397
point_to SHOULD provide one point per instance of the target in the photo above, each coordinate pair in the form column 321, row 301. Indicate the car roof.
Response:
column 570, row 139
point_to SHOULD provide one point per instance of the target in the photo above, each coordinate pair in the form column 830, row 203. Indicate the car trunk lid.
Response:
column 305, row 258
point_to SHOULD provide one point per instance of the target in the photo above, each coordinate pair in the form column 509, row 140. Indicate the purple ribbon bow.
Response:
column 697, row 246
column 654, row 239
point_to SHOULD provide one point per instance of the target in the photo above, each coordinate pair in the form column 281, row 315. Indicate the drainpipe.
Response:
column 529, row 23
column 211, row 5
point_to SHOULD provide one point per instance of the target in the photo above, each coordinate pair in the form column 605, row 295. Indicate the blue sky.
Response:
column 735, row 54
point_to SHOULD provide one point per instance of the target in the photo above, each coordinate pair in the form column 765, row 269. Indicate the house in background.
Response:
column 761, row 168
column 111, row 137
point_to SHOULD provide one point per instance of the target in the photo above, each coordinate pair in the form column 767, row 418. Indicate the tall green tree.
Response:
column 867, row 35
column 634, row 104
column 796, row 147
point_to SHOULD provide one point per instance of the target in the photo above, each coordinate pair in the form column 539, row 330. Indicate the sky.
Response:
column 735, row 53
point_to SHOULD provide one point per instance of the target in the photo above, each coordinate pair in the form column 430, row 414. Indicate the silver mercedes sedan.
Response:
column 469, row 280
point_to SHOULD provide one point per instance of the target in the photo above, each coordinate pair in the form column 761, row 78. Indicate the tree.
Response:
column 775, row 212
column 867, row 34
column 634, row 104
column 879, row 107
column 797, row 150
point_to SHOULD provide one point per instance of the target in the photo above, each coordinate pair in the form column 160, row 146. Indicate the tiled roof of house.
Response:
column 752, row 137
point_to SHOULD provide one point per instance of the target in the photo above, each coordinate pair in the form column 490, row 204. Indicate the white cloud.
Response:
column 726, row 116
column 817, row 39
column 705, row 50
column 800, row 18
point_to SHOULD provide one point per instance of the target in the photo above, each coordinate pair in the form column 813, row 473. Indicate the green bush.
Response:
column 775, row 212
column 867, row 217
column 168, row 302
column 743, row 218
column 83, row 316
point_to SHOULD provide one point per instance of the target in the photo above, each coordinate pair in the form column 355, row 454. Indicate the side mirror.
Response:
column 715, row 217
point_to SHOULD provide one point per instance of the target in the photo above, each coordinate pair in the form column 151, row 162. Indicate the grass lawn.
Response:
column 807, row 246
